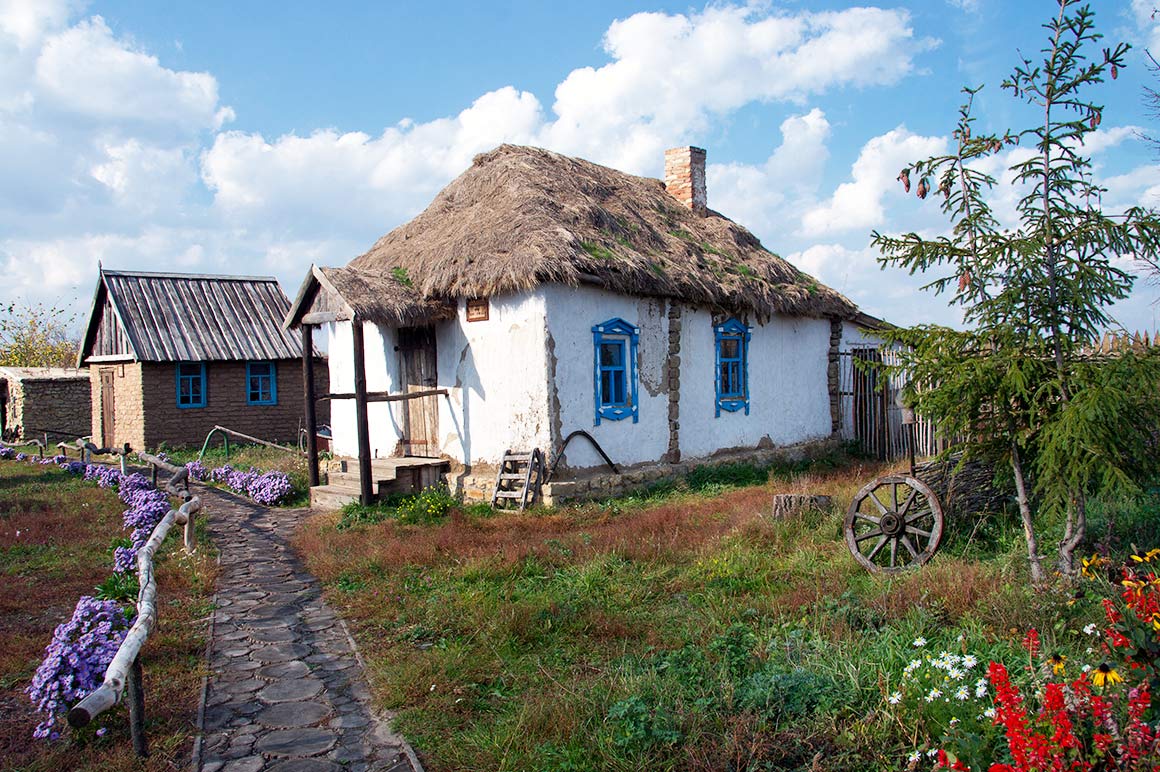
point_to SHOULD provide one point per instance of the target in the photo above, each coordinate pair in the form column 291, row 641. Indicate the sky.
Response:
column 253, row 138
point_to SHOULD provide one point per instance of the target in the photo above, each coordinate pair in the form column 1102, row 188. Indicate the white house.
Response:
column 540, row 294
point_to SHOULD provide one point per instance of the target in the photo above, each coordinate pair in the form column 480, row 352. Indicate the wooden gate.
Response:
column 108, row 409
column 417, row 365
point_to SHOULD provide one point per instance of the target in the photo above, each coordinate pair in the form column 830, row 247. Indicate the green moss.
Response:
column 401, row 276
column 597, row 251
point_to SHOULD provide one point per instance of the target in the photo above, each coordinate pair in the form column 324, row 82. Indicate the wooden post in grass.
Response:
column 137, row 708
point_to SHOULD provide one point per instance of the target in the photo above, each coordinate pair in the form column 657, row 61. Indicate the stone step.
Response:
column 326, row 497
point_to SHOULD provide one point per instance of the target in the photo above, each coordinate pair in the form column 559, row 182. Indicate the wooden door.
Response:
column 108, row 409
column 868, row 407
column 417, row 364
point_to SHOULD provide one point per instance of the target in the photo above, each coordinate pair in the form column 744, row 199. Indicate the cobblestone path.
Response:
column 286, row 690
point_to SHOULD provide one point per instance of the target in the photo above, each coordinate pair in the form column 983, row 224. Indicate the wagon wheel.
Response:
column 894, row 523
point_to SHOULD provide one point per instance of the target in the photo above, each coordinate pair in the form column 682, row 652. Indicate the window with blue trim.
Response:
column 191, row 384
column 732, row 339
column 261, row 383
column 614, row 343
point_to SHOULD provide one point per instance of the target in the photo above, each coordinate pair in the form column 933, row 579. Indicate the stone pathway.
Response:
column 286, row 690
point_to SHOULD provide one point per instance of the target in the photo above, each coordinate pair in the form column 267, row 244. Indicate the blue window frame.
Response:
column 261, row 383
column 190, row 384
column 732, row 339
column 614, row 343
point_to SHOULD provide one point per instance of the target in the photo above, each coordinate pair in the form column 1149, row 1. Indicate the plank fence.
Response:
column 870, row 412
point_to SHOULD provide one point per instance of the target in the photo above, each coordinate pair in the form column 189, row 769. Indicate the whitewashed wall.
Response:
column 495, row 372
column 572, row 312
column 789, row 399
column 382, row 366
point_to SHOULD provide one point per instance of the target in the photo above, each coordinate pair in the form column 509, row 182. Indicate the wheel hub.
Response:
column 891, row 524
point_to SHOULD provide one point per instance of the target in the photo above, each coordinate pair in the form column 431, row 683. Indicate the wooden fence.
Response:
column 124, row 672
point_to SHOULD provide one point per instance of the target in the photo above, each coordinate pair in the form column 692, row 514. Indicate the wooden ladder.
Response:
column 519, row 479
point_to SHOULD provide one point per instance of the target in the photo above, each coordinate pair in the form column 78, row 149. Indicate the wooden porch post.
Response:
column 366, row 491
column 308, row 401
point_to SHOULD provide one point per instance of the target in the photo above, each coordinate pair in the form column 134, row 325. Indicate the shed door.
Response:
column 418, row 368
column 108, row 411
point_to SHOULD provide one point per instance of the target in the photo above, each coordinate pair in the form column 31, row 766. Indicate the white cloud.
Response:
column 25, row 22
column 331, row 180
column 1144, row 13
column 857, row 205
column 85, row 70
column 671, row 73
column 769, row 197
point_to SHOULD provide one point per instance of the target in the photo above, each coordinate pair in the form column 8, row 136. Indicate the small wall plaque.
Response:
column 477, row 310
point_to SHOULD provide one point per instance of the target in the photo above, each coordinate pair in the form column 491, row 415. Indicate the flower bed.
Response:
column 266, row 488
column 82, row 648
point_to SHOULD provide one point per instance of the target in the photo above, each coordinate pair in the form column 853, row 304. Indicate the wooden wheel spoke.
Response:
column 869, row 518
column 922, row 513
column 869, row 535
column 906, row 504
column 894, row 496
column 877, row 548
column 918, row 532
column 893, row 552
column 881, row 507
column 909, row 547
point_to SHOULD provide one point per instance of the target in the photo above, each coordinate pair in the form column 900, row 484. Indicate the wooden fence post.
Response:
column 190, row 535
column 137, row 708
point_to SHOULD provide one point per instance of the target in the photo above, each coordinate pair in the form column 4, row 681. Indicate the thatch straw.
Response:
column 523, row 216
column 386, row 298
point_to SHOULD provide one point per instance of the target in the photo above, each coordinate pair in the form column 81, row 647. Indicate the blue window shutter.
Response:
column 731, row 380
column 614, row 378
column 191, row 384
column 261, row 383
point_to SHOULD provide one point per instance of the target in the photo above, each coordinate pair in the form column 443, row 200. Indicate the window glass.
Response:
column 191, row 384
column 261, row 387
column 615, row 344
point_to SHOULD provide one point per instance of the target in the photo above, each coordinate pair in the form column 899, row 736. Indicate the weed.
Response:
column 401, row 276
column 598, row 251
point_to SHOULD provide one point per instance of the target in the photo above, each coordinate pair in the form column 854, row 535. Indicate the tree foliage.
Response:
column 1024, row 387
column 36, row 336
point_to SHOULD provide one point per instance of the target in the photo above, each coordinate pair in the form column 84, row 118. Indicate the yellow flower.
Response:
column 1057, row 663
column 1105, row 675
column 1089, row 566
column 1147, row 557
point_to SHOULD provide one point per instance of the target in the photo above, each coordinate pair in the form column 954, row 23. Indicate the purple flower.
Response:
column 75, row 661
column 197, row 471
column 7, row 454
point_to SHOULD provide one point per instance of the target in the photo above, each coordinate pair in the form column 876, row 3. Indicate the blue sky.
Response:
column 258, row 138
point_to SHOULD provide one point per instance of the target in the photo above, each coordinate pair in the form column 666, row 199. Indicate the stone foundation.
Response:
column 478, row 483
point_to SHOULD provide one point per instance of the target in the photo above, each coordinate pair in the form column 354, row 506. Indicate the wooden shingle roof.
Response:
column 171, row 317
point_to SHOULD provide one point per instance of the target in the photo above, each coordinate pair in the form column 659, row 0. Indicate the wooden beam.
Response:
column 386, row 396
column 308, row 402
column 366, row 490
column 323, row 317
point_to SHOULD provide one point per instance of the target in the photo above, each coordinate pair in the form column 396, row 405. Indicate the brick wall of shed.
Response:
column 226, row 405
column 128, row 404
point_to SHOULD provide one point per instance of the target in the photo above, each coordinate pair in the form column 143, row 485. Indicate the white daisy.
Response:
column 919, row 642
column 894, row 698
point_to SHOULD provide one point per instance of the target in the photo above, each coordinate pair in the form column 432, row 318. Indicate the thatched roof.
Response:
column 382, row 297
column 522, row 216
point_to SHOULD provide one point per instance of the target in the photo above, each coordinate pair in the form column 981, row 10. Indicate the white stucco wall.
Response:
column 382, row 366
column 789, row 400
column 572, row 312
column 495, row 372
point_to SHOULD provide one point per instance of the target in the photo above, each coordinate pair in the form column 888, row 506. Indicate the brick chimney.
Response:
column 685, row 176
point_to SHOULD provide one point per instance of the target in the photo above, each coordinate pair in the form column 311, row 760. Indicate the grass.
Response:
column 56, row 533
column 675, row 629
column 258, row 456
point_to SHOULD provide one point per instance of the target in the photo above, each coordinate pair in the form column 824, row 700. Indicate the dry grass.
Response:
column 55, row 532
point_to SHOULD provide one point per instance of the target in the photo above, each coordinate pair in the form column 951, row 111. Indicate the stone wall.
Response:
column 56, row 405
column 226, row 404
